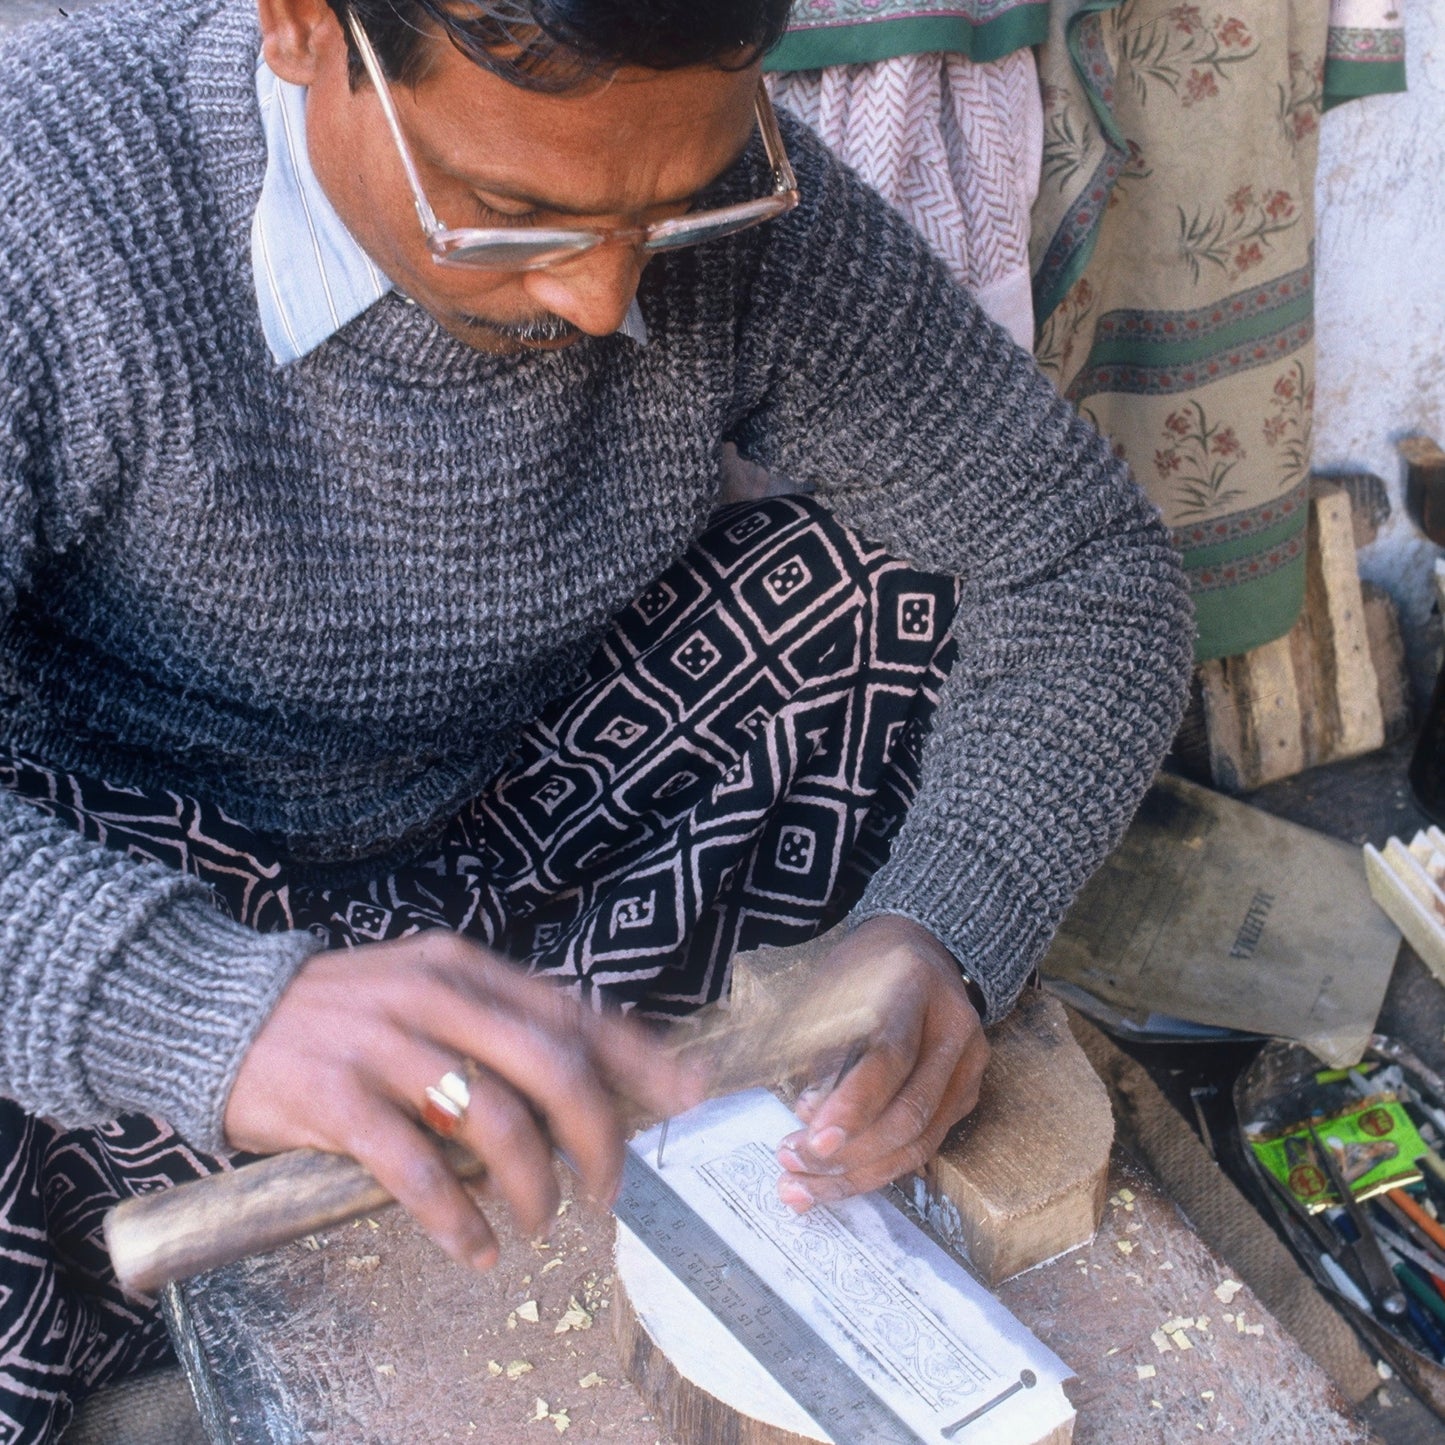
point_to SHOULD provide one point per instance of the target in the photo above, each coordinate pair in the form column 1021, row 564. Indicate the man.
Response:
column 317, row 508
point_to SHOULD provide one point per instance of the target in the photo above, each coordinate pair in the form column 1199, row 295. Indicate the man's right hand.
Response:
column 344, row 1061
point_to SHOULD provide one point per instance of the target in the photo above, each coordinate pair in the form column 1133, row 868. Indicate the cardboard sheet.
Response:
column 1217, row 913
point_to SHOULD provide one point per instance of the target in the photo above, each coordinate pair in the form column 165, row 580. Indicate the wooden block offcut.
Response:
column 1313, row 696
column 1022, row 1178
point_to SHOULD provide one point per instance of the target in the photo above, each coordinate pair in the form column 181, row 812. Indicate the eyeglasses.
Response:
column 532, row 248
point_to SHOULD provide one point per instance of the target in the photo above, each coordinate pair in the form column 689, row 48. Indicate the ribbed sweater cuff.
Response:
column 176, row 1008
column 988, row 914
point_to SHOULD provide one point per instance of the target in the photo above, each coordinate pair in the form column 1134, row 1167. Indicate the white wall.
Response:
column 1380, row 303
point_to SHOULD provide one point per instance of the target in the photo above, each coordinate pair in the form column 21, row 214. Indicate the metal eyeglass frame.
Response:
column 532, row 248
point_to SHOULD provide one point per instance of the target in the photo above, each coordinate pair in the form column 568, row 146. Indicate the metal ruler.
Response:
column 771, row 1330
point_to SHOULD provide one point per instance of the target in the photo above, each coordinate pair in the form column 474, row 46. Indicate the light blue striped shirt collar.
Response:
column 312, row 277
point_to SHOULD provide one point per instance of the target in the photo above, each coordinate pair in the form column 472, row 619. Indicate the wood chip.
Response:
column 388, row 1370
column 541, row 1409
column 1226, row 1290
column 1161, row 1342
column 528, row 1312
column 1145, row 1372
column 553, row 1264
column 518, row 1368
column 589, row 1380
column 576, row 1318
column 561, row 1420
column 493, row 1368
column 364, row 1262
column 1125, row 1246
column 1181, row 1340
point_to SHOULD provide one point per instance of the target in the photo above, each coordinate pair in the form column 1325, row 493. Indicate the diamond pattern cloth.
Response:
column 730, row 774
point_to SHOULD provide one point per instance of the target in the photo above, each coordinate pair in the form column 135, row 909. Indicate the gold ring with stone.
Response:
column 446, row 1104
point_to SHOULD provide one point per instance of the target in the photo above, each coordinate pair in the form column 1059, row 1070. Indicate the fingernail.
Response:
column 795, row 1195
column 790, row 1161
column 827, row 1142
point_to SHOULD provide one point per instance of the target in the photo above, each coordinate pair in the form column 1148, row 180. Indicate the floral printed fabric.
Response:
column 1173, row 264
column 850, row 32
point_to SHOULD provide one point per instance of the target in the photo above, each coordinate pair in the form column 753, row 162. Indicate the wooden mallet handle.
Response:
column 174, row 1233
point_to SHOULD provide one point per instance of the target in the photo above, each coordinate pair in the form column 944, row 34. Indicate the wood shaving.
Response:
column 493, row 1368
column 1226, row 1290
column 560, row 1420
column 518, row 1368
column 1125, row 1246
column 528, row 1312
column 541, row 1409
column 589, row 1380
column 1181, row 1340
column 388, row 1370
column 553, row 1264
column 576, row 1318
column 1145, row 1372
column 1161, row 1342
column 365, row 1262
column 1206, row 1394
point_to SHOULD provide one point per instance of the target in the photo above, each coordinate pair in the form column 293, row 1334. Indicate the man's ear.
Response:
column 296, row 35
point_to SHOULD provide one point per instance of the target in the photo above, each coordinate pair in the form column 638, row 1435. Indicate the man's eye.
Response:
column 488, row 216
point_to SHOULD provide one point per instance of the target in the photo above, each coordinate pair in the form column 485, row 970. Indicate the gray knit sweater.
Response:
column 326, row 597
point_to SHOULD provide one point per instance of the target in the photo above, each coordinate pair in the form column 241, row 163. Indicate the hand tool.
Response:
column 1379, row 1279
column 770, row 1329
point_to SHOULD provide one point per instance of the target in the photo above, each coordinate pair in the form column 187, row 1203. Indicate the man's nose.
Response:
column 593, row 292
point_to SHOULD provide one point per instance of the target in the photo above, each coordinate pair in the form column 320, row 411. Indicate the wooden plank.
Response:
column 1251, row 706
column 1344, row 646
column 1387, row 653
column 1424, row 484
column 1022, row 1178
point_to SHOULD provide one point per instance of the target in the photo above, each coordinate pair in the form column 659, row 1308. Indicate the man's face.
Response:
column 634, row 150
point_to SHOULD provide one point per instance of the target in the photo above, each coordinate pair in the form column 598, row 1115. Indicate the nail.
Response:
column 790, row 1161
column 795, row 1196
column 827, row 1142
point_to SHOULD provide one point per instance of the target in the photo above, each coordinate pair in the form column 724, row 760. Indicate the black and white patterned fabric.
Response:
column 729, row 774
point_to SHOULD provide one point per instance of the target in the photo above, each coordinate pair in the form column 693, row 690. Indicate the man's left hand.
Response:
column 919, row 1076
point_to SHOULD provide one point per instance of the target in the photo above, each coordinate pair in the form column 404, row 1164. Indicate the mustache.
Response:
column 539, row 330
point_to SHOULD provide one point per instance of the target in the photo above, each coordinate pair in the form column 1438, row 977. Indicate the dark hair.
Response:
column 557, row 45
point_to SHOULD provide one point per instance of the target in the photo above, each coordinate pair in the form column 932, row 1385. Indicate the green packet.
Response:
column 1380, row 1143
